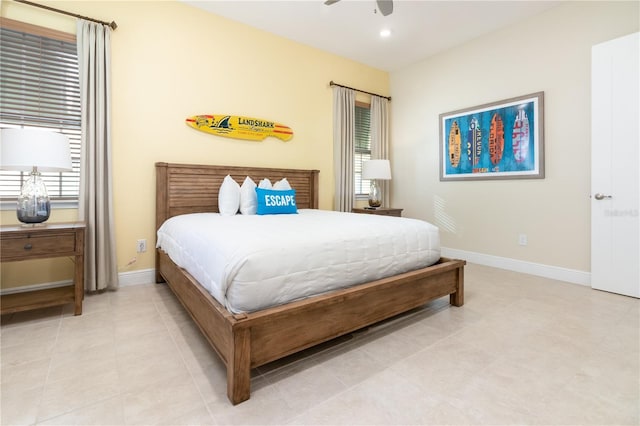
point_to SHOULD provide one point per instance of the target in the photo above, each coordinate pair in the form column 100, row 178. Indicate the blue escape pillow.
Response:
column 271, row 201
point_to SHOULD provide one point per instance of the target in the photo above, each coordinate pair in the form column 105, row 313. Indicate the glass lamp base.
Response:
column 38, row 218
column 33, row 203
column 375, row 195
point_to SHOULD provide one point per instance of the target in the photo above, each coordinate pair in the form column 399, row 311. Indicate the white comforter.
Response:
column 251, row 262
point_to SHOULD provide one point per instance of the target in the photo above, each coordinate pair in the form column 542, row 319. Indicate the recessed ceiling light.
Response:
column 385, row 33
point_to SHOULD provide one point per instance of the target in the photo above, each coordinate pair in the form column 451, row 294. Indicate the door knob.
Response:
column 599, row 196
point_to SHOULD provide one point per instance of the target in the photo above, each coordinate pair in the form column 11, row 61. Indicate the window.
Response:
column 362, row 146
column 40, row 88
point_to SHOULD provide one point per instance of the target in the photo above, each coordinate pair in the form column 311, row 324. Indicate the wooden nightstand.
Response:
column 380, row 211
column 40, row 242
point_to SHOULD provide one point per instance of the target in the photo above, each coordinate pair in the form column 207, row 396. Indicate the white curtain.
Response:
column 344, row 101
column 380, row 139
column 96, row 190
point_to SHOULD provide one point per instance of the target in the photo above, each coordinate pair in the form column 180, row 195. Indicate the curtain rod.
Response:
column 331, row 83
column 113, row 24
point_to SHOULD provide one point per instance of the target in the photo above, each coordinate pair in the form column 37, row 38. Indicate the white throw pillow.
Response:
column 229, row 197
column 282, row 185
column 265, row 184
column 248, row 197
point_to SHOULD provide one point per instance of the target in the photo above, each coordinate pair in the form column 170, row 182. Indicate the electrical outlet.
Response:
column 142, row 246
column 522, row 239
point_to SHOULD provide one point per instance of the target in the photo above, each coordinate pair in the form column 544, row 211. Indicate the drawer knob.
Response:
column 28, row 246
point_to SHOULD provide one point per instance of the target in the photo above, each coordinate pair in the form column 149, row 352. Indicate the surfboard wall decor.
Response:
column 499, row 140
column 454, row 144
column 520, row 137
column 496, row 139
column 239, row 127
column 474, row 142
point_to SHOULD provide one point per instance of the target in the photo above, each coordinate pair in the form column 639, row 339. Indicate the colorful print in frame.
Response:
column 499, row 140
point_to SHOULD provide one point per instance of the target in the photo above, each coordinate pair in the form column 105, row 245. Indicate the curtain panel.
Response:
column 96, row 189
column 344, row 101
column 380, row 132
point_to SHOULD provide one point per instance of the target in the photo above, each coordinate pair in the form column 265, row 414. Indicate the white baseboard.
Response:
column 143, row 276
column 547, row 271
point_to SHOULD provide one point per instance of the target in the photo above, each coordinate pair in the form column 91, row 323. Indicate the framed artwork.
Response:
column 499, row 140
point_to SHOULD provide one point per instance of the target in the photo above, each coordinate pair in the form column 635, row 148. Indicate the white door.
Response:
column 615, row 160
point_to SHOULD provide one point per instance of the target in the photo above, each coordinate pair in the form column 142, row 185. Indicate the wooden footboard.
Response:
column 246, row 341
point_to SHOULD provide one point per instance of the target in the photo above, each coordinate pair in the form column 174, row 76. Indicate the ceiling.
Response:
column 350, row 28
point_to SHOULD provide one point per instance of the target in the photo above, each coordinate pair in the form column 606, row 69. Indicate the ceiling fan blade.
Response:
column 385, row 6
column 330, row 2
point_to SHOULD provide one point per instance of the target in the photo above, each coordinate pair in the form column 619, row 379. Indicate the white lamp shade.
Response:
column 376, row 169
column 23, row 149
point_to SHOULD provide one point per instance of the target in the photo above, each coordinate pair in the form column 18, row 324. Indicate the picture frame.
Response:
column 498, row 140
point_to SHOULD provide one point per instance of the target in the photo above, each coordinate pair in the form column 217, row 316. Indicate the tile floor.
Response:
column 523, row 350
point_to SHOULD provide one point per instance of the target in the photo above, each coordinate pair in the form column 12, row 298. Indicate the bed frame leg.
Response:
column 159, row 277
column 239, row 367
column 457, row 298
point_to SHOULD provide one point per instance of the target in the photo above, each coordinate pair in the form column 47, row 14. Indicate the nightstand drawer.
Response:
column 389, row 212
column 380, row 211
column 27, row 246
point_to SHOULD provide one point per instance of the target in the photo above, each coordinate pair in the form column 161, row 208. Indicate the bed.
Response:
column 247, row 340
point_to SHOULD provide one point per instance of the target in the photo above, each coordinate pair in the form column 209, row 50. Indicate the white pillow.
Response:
column 265, row 184
column 229, row 197
column 282, row 185
column 248, row 197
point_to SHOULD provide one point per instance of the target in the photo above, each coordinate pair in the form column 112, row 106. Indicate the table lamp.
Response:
column 38, row 151
column 374, row 170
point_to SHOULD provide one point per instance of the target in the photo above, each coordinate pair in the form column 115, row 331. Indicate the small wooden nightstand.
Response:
column 41, row 242
column 380, row 211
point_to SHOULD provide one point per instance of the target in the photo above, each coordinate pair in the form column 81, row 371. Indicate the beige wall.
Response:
column 550, row 52
column 171, row 61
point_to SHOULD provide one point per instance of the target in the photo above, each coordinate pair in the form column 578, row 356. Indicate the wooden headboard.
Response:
column 190, row 188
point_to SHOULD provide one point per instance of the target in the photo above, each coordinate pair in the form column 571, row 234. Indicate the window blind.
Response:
column 362, row 146
column 40, row 88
